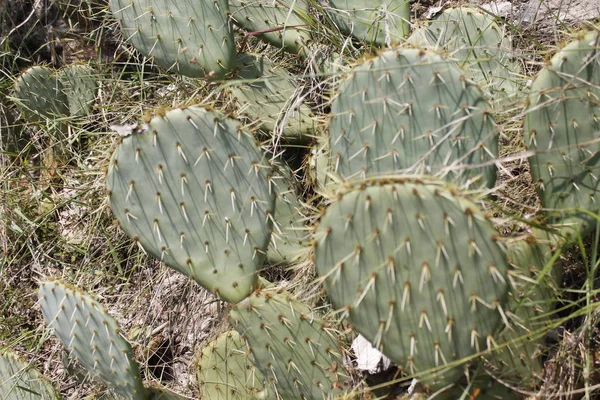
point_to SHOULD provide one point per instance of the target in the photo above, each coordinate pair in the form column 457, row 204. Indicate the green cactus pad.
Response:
column 269, row 96
column 39, row 94
column 284, row 23
column 288, row 241
column 193, row 190
column 381, row 22
column 161, row 393
column 481, row 46
column 20, row 381
column 529, row 309
column 91, row 336
column 80, row 87
column 192, row 38
column 226, row 372
column 292, row 346
column 412, row 111
column 561, row 128
column 417, row 269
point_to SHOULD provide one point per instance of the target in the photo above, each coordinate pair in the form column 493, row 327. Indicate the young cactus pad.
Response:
column 39, row 94
column 191, row 38
column 20, row 381
column 193, row 190
column 269, row 96
column 292, row 346
column 80, row 87
column 226, row 372
column 412, row 111
column 561, row 128
column 91, row 336
column 417, row 269
column 478, row 43
column 283, row 23
column 382, row 22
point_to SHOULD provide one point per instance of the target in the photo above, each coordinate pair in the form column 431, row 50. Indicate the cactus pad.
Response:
column 226, row 372
column 91, row 336
column 479, row 44
column 292, row 346
column 412, row 111
column 269, row 97
column 283, row 22
column 191, row 38
column 20, row 381
column 39, row 94
column 561, row 127
column 80, row 87
column 288, row 240
column 382, row 22
column 417, row 269
column 193, row 191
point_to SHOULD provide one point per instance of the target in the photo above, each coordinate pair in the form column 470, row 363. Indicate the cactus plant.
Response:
column 268, row 95
column 226, row 371
column 91, row 336
column 561, row 129
column 479, row 44
column 192, row 38
column 20, row 381
column 417, row 269
column 282, row 23
column 39, row 94
column 80, row 87
column 192, row 189
column 381, row 22
column 412, row 111
column 293, row 347
column 288, row 241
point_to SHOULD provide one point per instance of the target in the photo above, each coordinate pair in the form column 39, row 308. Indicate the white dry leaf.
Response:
column 128, row 129
column 369, row 358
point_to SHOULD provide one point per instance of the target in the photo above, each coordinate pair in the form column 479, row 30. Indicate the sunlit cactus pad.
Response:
column 417, row 269
column 561, row 128
column 192, row 188
column 39, row 94
column 270, row 98
column 226, row 372
column 382, row 22
column 191, row 38
column 282, row 23
column 297, row 352
column 20, row 381
column 478, row 43
column 412, row 111
column 91, row 336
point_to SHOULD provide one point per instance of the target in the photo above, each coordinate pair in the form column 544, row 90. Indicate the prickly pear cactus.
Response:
column 226, row 372
column 269, row 97
column 295, row 350
column 91, row 336
column 20, row 381
column 38, row 92
column 479, row 44
column 561, row 128
column 412, row 111
column 289, row 238
column 417, row 269
column 192, row 189
column 381, row 22
column 191, row 38
column 281, row 23
column 80, row 87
